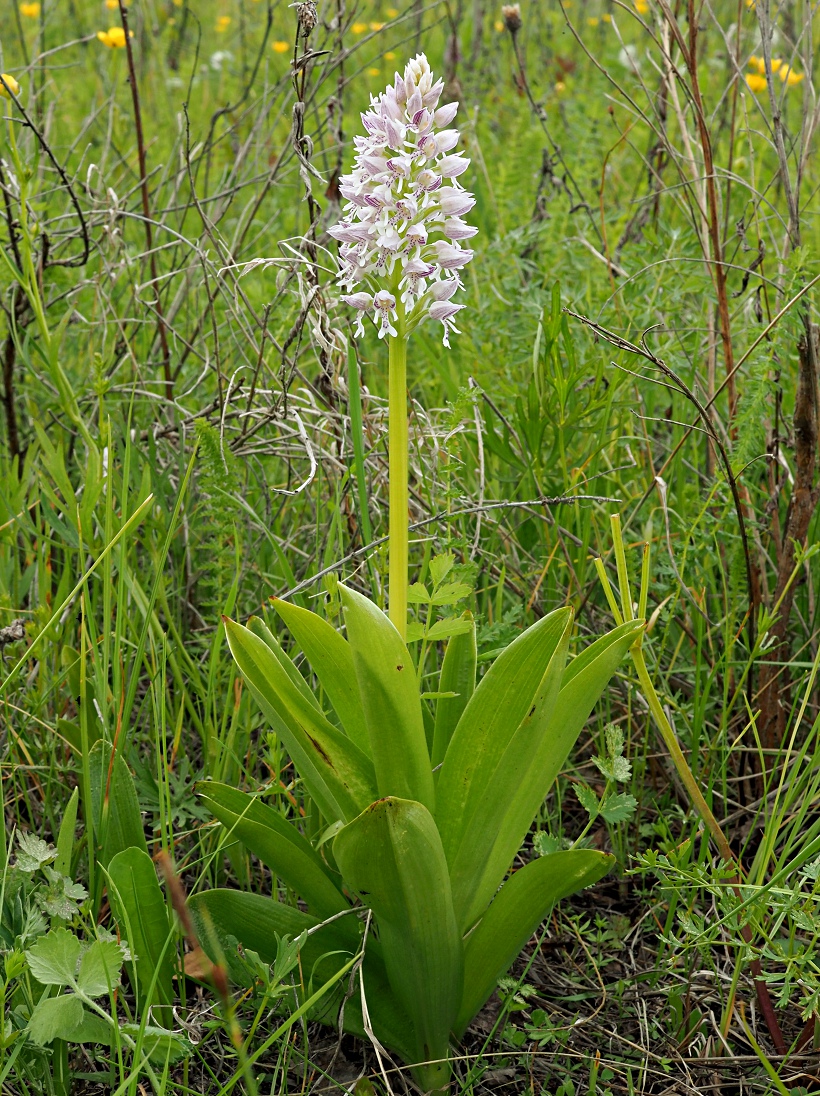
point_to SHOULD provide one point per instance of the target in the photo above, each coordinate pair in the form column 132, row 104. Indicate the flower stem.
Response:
column 399, row 502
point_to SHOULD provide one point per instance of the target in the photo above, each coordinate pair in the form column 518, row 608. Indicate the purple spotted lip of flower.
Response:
column 402, row 232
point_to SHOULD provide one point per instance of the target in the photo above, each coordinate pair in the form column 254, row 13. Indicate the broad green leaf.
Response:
column 100, row 968
column 260, row 628
column 65, row 838
column 53, row 958
column 329, row 653
column 277, row 843
column 338, row 775
column 392, row 707
column 392, row 856
column 114, row 803
column 457, row 676
column 93, row 1029
column 513, row 916
column 142, row 918
column 55, row 1018
column 223, row 917
column 493, row 714
column 572, row 709
column 498, row 777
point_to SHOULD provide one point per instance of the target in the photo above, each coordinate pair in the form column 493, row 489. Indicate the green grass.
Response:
column 257, row 484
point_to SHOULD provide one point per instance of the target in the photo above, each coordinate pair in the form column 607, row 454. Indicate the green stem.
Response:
column 399, row 498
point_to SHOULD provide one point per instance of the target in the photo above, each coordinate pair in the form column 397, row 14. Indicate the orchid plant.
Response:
column 401, row 252
column 423, row 800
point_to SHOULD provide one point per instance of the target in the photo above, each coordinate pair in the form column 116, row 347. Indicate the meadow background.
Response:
column 639, row 339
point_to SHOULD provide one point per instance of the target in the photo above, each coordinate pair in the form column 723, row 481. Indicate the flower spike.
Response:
column 401, row 231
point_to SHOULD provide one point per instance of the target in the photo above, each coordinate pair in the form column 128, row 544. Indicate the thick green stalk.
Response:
column 399, row 500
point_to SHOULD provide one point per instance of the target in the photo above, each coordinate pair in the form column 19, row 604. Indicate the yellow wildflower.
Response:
column 31, row 11
column 113, row 5
column 114, row 37
column 750, row 4
column 376, row 26
column 374, row 72
column 359, row 28
column 12, row 84
column 280, row 47
column 756, row 83
column 392, row 12
column 641, row 7
column 789, row 76
column 560, row 86
column 390, row 56
column 499, row 26
column 223, row 22
column 759, row 64
column 593, row 21
column 607, row 18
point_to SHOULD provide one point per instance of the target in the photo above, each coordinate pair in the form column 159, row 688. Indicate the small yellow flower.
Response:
column 359, row 28
column 280, row 47
column 759, row 64
column 12, row 83
column 641, row 7
column 607, row 18
column 392, row 12
column 750, row 4
column 390, row 56
column 374, row 72
column 31, row 11
column 789, row 76
column 560, row 86
column 114, row 37
column 222, row 23
column 593, row 21
column 499, row 26
column 376, row 26
column 756, row 83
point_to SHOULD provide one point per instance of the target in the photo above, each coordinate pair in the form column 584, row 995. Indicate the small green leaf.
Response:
column 100, row 968
column 453, row 626
column 618, row 807
column 158, row 1044
column 588, row 799
column 53, row 958
column 418, row 594
column 441, row 566
column 451, row 593
column 614, row 768
column 415, row 632
column 93, row 1029
column 33, row 852
column 55, row 1018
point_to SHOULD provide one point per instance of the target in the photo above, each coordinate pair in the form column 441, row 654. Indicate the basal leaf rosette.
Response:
column 402, row 232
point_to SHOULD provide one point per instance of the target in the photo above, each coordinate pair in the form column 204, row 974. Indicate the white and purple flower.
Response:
column 401, row 235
